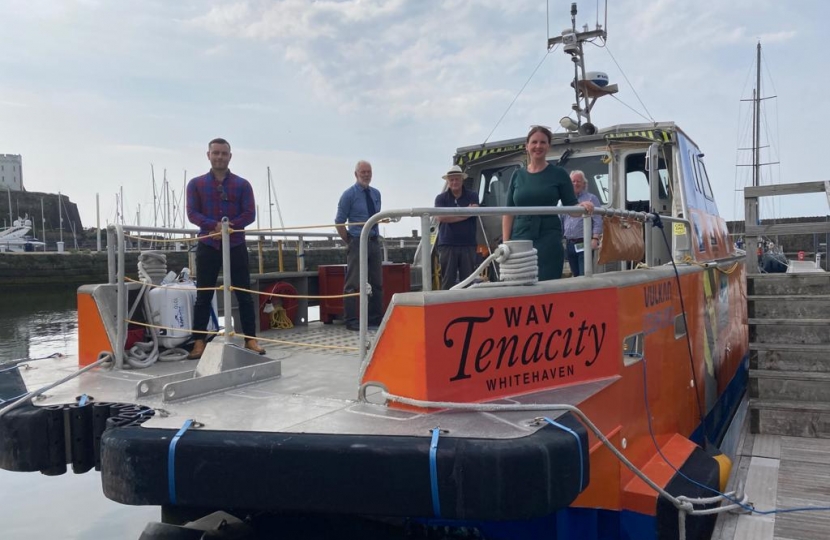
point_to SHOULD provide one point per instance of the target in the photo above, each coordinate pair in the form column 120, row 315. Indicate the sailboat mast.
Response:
column 756, row 144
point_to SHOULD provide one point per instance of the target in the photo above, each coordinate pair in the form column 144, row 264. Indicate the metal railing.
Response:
column 116, row 270
column 425, row 215
column 755, row 230
column 116, row 249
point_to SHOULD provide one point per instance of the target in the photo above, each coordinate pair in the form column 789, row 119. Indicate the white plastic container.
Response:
column 171, row 306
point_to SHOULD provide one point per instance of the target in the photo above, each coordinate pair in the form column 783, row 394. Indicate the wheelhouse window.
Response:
column 704, row 180
column 596, row 174
column 637, row 190
column 494, row 184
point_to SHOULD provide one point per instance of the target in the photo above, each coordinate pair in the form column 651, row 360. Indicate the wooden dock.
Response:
column 779, row 473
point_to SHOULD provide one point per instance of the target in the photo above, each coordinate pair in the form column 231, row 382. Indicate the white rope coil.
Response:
column 518, row 263
column 152, row 265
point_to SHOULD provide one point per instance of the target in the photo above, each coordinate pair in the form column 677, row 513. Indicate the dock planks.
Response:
column 780, row 473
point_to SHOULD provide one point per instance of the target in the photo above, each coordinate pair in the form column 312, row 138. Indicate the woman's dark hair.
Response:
column 539, row 129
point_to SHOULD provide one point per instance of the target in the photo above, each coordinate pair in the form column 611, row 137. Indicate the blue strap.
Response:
column 433, row 472
column 171, row 460
column 83, row 400
column 578, row 443
column 14, row 367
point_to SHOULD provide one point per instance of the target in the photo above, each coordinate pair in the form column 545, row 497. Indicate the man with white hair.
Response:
column 456, row 234
column 357, row 205
column 572, row 228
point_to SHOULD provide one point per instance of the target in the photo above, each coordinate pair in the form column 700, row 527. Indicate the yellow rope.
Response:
column 318, row 297
column 298, row 344
column 688, row 259
column 279, row 319
column 232, row 333
column 152, row 285
column 326, row 226
column 172, row 240
column 147, row 325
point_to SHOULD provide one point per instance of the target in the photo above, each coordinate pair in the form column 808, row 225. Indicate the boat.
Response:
column 589, row 407
column 17, row 238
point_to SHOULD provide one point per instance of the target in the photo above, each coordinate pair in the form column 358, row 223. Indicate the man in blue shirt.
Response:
column 456, row 235
column 357, row 205
column 210, row 197
column 572, row 228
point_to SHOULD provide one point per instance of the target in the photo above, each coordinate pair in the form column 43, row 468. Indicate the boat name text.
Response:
column 488, row 346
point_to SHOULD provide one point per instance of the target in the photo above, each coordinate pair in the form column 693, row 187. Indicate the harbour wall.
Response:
column 30, row 270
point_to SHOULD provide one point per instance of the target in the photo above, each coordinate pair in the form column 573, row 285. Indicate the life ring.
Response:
column 289, row 303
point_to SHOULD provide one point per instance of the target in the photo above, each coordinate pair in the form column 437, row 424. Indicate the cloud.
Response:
column 777, row 37
column 15, row 104
column 403, row 61
column 139, row 149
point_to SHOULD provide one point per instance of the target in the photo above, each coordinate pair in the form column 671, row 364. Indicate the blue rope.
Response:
column 171, row 460
column 9, row 369
column 579, row 445
column 748, row 508
column 83, row 400
column 433, row 472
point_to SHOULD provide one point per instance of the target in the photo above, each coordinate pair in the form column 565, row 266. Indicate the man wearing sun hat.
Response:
column 456, row 235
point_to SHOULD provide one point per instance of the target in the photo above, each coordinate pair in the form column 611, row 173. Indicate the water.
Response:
column 72, row 507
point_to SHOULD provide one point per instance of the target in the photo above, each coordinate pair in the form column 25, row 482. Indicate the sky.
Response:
column 92, row 92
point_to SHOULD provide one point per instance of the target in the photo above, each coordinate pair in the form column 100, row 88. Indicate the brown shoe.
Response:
column 198, row 350
column 252, row 345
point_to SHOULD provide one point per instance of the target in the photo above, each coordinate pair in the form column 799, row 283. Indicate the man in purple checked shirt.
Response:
column 210, row 197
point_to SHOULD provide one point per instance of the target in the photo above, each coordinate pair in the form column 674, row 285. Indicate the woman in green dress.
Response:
column 540, row 184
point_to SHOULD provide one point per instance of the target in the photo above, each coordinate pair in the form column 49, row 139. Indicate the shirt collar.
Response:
column 213, row 178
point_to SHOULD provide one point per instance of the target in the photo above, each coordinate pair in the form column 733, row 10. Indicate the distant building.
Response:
column 11, row 172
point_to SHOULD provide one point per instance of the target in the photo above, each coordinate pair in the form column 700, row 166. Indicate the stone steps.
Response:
column 789, row 306
column 789, row 357
column 784, row 284
column 801, row 419
column 810, row 386
column 790, row 331
column 789, row 343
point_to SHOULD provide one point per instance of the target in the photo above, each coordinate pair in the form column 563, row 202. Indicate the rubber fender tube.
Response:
column 100, row 414
column 80, row 433
column 55, row 440
column 115, row 422
column 23, row 439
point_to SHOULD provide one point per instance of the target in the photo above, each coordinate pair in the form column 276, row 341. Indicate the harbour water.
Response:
column 34, row 324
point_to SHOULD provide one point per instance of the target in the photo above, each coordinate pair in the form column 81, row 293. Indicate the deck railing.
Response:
column 753, row 228
column 116, row 248
column 426, row 214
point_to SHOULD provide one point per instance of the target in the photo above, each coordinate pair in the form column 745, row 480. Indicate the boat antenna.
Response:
column 586, row 92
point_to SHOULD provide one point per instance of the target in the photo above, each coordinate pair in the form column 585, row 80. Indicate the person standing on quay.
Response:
column 572, row 226
column 211, row 197
column 456, row 234
column 357, row 205
column 540, row 184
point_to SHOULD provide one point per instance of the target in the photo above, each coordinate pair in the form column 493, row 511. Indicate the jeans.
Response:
column 352, row 284
column 457, row 263
column 208, row 264
column 575, row 260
